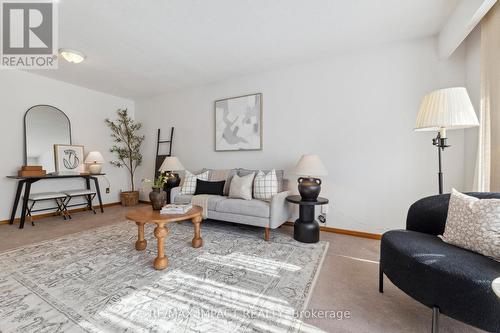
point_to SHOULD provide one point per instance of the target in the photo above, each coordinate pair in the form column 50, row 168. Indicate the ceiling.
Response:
column 143, row 48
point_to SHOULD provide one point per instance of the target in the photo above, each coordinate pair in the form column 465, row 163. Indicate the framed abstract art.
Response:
column 69, row 159
column 238, row 123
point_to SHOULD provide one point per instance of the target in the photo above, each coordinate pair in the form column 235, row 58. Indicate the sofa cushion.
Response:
column 189, row 186
column 252, row 207
column 437, row 273
column 241, row 187
column 186, row 198
column 279, row 175
column 213, row 201
column 183, row 199
column 209, row 187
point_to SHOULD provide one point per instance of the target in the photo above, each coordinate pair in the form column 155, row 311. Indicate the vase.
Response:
column 309, row 188
column 158, row 197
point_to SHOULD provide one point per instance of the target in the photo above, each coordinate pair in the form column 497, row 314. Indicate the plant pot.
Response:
column 158, row 198
column 129, row 198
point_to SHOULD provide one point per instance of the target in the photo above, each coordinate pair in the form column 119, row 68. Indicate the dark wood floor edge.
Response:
column 75, row 210
column 355, row 233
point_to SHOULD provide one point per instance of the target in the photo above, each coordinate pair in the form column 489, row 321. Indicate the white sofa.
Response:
column 269, row 215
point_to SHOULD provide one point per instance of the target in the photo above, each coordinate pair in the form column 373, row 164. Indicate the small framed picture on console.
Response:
column 69, row 159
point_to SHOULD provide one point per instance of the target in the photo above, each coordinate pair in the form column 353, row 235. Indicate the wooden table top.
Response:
column 146, row 214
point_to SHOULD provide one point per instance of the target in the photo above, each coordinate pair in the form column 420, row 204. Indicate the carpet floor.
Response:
column 348, row 280
column 95, row 281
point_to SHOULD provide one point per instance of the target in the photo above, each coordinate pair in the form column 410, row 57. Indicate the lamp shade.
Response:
column 94, row 157
column 310, row 165
column 171, row 163
column 448, row 108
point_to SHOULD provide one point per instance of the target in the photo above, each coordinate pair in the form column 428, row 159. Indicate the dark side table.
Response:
column 306, row 228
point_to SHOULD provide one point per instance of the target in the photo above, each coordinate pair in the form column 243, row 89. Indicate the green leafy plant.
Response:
column 158, row 182
column 128, row 141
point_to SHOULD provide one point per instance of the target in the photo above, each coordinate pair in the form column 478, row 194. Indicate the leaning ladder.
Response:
column 161, row 157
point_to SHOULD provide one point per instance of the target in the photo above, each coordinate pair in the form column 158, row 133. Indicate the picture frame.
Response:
column 69, row 159
column 238, row 123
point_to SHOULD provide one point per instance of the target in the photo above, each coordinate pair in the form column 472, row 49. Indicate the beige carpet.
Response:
column 348, row 280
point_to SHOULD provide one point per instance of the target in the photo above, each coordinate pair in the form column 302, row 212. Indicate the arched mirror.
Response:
column 44, row 126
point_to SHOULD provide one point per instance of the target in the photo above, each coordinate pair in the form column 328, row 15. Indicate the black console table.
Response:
column 306, row 228
column 27, row 189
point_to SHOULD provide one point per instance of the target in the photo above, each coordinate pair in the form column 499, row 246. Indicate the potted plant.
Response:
column 158, row 196
column 128, row 141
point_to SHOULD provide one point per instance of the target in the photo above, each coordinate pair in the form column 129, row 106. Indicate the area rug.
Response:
column 95, row 281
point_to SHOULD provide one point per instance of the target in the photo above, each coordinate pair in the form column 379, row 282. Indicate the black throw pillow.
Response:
column 206, row 187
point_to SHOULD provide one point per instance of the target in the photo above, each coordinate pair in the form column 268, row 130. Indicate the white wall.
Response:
column 473, row 84
column 86, row 109
column 357, row 111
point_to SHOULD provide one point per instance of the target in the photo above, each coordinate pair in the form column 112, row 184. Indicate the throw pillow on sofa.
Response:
column 209, row 187
column 241, row 187
column 473, row 224
column 189, row 186
column 265, row 185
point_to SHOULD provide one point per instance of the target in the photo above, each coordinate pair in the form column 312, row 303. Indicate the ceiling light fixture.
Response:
column 72, row 56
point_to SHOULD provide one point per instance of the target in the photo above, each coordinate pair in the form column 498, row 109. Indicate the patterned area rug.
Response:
column 95, row 281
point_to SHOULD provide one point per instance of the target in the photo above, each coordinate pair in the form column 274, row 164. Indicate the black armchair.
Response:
column 446, row 278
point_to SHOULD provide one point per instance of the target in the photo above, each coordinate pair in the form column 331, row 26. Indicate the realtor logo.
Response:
column 29, row 34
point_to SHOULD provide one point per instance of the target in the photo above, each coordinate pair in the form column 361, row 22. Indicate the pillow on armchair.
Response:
column 473, row 224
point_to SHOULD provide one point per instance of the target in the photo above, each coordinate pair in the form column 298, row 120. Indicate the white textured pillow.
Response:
column 241, row 187
column 189, row 186
column 474, row 224
column 265, row 185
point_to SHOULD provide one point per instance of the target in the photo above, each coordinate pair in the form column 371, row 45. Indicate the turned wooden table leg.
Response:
column 141, row 243
column 161, row 261
column 197, row 240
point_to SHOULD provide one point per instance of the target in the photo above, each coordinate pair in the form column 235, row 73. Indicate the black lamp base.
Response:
column 309, row 188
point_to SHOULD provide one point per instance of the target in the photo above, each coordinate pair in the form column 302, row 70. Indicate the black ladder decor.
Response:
column 161, row 157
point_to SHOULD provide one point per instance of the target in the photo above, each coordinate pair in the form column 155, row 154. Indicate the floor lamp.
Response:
column 442, row 110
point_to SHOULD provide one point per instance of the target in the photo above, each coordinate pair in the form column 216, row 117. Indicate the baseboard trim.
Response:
column 74, row 210
column 354, row 233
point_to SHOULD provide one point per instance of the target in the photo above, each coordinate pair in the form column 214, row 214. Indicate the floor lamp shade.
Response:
column 448, row 108
column 443, row 109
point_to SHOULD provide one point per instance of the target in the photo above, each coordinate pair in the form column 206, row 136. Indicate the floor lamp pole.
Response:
column 440, row 143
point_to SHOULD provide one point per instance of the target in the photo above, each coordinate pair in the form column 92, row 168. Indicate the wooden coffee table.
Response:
column 144, row 215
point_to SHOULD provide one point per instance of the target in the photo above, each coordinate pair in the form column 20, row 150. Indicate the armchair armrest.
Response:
column 279, row 212
column 175, row 191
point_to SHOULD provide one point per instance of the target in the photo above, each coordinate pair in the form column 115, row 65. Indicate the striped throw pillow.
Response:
column 265, row 185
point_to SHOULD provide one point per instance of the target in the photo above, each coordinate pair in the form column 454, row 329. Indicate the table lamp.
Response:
column 170, row 164
column 309, row 166
column 444, row 109
column 95, row 161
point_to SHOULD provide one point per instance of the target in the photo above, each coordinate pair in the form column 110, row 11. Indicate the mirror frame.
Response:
column 24, row 123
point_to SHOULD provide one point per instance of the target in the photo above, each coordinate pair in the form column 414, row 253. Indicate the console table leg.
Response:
column 197, row 240
column 96, row 182
column 141, row 243
column 27, row 190
column 161, row 261
column 20, row 185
